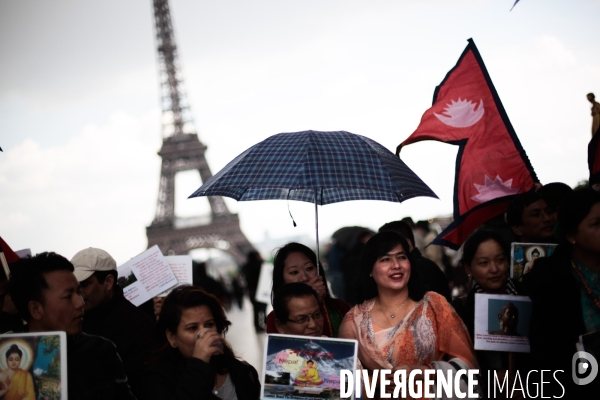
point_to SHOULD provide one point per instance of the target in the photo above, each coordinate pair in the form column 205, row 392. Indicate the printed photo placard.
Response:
column 524, row 255
column 33, row 365
column 502, row 322
column 302, row 367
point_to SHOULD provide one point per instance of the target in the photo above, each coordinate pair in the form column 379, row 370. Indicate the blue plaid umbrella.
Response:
column 316, row 167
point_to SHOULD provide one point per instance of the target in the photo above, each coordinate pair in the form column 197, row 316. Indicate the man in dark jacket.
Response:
column 556, row 323
column 531, row 219
column 48, row 296
column 109, row 314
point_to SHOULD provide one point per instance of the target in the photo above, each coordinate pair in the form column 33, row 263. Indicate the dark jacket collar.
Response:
column 108, row 306
column 415, row 253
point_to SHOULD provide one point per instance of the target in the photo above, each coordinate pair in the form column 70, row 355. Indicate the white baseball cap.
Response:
column 90, row 260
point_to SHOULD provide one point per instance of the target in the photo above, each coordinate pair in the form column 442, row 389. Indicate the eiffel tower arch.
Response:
column 181, row 151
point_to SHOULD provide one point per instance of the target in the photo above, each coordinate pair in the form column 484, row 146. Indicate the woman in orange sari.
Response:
column 397, row 325
column 17, row 384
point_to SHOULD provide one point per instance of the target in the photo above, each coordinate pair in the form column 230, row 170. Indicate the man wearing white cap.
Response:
column 108, row 313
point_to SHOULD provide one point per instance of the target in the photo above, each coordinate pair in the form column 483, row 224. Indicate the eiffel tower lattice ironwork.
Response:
column 182, row 151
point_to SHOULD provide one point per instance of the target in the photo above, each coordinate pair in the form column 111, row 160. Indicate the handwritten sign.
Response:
column 182, row 269
column 145, row 276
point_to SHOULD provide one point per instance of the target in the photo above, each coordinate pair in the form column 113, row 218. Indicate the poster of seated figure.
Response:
column 301, row 367
column 502, row 322
column 33, row 366
column 524, row 255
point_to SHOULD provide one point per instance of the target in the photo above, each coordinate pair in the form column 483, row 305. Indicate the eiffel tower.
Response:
column 182, row 151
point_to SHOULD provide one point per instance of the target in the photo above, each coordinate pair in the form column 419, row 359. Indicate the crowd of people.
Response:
column 400, row 311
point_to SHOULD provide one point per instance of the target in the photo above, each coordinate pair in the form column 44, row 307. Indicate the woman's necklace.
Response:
column 392, row 314
column 586, row 286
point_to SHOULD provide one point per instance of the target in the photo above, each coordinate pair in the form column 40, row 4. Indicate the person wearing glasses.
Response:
column 297, row 311
column 295, row 262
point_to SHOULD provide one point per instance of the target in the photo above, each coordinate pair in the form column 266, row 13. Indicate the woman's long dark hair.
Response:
column 379, row 245
column 479, row 236
column 182, row 298
column 575, row 207
column 279, row 264
column 287, row 292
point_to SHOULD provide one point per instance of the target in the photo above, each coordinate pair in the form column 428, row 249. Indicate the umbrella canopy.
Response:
column 319, row 167
column 316, row 167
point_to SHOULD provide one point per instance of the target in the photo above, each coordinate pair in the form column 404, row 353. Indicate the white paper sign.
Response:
column 182, row 269
column 502, row 322
column 265, row 281
column 145, row 276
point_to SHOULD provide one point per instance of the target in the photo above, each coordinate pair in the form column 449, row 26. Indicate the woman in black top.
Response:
column 194, row 360
column 486, row 259
column 565, row 291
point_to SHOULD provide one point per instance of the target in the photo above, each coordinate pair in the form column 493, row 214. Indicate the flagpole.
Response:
column 5, row 264
column 317, row 232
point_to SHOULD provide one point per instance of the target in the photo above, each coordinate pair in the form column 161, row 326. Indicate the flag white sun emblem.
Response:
column 493, row 189
column 461, row 113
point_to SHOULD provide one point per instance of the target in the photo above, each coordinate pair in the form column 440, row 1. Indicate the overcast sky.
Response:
column 80, row 117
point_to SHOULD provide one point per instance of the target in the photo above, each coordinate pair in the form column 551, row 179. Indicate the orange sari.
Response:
column 431, row 331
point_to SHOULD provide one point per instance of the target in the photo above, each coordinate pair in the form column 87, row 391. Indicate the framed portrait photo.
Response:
column 33, row 365
column 524, row 255
column 502, row 322
column 301, row 367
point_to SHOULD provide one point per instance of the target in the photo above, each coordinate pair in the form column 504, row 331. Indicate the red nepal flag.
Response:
column 7, row 256
column 594, row 159
column 491, row 165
